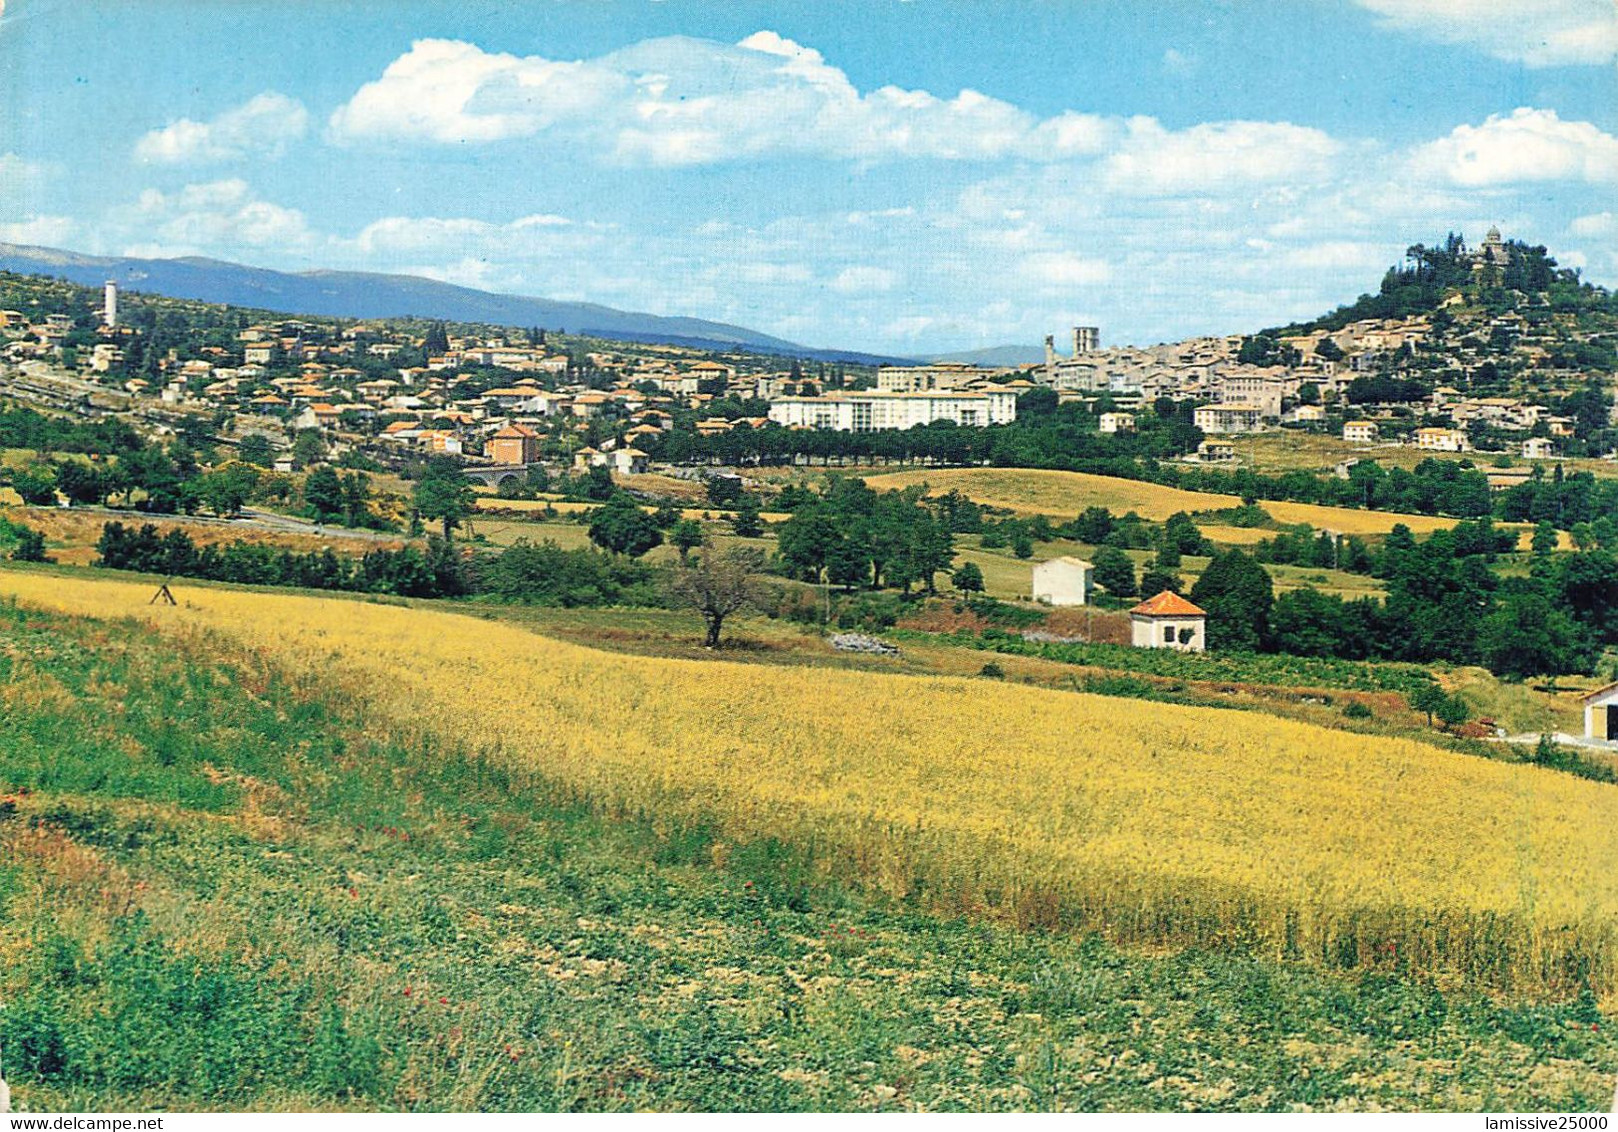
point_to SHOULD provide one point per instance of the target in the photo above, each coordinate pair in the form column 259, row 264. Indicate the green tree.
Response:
column 1528, row 636
column 1307, row 622
column 444, row 495
column 255, row 449
column 1453, row 712
column 746, row 523
column 1236, row 593
column 1428, row 699
column 36, row 484
column 685, row 536
column 806, row 541
column 724, row 490
column 323, row 493
column 30, row 545
column 1115, row 572
column 620, row 526
column 666, row 516
column 1155, row 581
column 1093, row 525
column 1545, row 539
column 225, row 491
column 81, row 482
column 968, row 578
column 308, row 447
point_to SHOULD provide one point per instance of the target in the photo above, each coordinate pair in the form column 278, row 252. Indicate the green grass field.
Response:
column 221, row 887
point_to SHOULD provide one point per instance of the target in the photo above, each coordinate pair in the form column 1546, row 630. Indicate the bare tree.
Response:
column 718, row 584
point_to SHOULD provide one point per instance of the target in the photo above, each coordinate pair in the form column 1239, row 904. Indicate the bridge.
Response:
column 493, row 475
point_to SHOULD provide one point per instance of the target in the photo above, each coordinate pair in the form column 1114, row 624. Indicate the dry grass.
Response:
column 71, row 535
column 495, row 505
column 1150, row 822
column 1031, row 491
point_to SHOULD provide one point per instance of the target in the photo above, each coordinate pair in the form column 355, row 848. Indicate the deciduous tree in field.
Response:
column 968, row 578
column 718, row 584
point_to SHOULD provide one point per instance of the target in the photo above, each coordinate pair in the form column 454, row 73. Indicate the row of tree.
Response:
column 1443, row 602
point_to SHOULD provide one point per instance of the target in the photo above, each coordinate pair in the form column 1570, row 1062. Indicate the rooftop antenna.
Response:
column 163, row 595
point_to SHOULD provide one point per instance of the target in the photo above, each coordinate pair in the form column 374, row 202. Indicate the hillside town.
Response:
column 1458, row 379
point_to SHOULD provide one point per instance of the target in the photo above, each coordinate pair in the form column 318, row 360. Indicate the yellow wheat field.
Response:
column 1033, row 491
column 1147, row 822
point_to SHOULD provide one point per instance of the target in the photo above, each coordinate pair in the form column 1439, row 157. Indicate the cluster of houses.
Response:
column 376, row 386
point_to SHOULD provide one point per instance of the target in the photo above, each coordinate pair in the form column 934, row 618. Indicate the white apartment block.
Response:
column 871, row 411
column 1442, row 440
column 926, row 379
column 1262, row 393
column 1227, row 418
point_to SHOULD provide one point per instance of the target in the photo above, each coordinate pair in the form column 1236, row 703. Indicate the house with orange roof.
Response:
column 514, row 444
column 1168, row 621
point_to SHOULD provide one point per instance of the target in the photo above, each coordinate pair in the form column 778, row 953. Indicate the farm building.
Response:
column 1063, row 581
column 1601, row 714
column 1168, row 621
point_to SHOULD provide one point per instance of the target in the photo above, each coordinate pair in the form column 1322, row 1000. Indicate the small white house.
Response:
column 1600, row 716
column 1359, row 432
column 1168, row 621
column 1063, row 581
column 1117, row 422
column 1538, row 448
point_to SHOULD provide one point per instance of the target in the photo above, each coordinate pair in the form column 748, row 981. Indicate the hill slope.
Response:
column 358, row 294
column 1152, row 822
column 309, row 913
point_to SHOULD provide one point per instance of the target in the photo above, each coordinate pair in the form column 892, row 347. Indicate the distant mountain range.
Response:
column 362, row 294
column 1006, row 356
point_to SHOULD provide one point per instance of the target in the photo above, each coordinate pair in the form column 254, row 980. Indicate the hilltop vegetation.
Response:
column 1435, row 273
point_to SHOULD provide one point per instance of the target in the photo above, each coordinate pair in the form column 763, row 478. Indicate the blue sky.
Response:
column 895, row 176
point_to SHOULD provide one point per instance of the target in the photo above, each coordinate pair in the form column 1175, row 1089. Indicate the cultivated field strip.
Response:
column 1031, row 491
column 1149, row 822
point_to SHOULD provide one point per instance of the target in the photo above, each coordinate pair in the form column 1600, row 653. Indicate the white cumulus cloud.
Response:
column 1155, row 161
column 864, row 280
column 678, row 101
column 1526, row 145
column 1537, row 33
column 263, row 125
column 217, row 217
column 40, row 231
column 1596, row 224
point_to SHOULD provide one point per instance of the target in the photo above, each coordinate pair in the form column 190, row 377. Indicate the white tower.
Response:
column 109, row 304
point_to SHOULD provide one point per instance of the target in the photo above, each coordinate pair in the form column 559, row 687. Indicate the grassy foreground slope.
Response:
column 222, row 885
column 1148, row 822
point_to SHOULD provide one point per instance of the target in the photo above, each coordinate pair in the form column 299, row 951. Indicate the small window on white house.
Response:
column 1168, row 634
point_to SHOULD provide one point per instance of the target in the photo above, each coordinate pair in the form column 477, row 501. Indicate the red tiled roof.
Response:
column 1168, row 604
